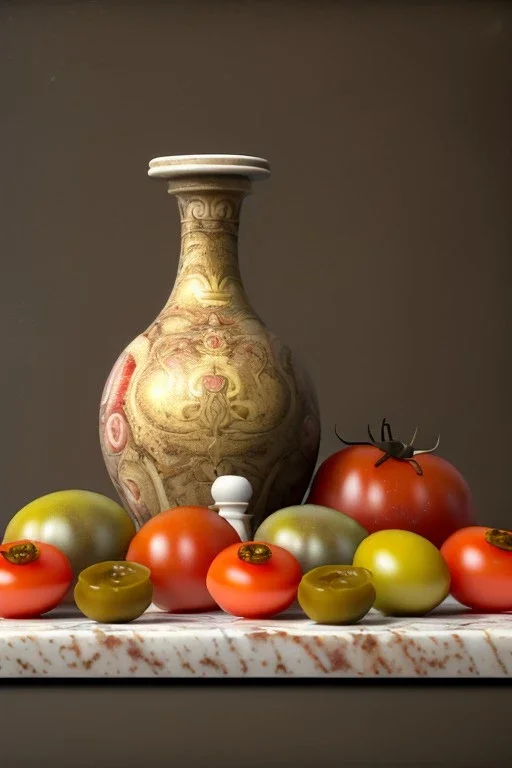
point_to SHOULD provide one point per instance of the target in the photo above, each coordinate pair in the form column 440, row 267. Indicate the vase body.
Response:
column 207, row 389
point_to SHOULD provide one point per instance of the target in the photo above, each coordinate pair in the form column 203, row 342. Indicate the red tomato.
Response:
column 254, row 579
column 433, row 505
column 34, row 577
column 178, row 546
column 481, row 572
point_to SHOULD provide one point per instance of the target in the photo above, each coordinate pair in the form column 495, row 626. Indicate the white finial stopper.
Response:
column 231, row 494
column 231, row 488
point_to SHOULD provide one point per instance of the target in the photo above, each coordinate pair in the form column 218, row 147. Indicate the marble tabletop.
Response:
column 451, row 642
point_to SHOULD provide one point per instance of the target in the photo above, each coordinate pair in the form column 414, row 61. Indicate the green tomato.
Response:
column 115, row 591
column 409, row 573
column 87, row 527
column 316, row 535
column 336, row 594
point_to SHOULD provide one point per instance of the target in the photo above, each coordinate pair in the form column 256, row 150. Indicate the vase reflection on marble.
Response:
column 207, row 389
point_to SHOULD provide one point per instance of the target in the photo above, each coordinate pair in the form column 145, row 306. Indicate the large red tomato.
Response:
column 480, row 563
column 178, row 546
column 392, row 495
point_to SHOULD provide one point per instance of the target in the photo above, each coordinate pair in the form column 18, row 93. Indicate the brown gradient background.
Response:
column 379, row 250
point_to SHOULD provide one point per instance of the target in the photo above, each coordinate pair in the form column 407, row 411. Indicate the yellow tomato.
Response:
column 409, row 573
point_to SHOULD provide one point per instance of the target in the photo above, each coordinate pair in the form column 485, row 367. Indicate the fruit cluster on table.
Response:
column 383, row 526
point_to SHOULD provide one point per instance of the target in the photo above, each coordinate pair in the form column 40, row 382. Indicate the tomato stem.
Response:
column 256, row 554
column 391, row 448
column 21, row 554
column 499, row 538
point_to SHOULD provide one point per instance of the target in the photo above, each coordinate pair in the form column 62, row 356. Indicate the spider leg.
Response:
column 383, row 458
column 347, row 442
column 429, row 450
column 386, row 426
column 413, row 437
column 416, row 466
column 370, row 435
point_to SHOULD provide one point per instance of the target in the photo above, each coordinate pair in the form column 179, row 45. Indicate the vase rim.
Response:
column 173, row 166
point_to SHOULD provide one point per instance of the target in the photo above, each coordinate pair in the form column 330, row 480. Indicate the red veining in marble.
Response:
column 185, row 664
column 218, row 666
column 137, row 654
column 26, row 666
column 73, row 647
column 472, row 667
column 234, row 650
column 88, row 663
column 112, row 642
column 312, row 655
column 495, row 652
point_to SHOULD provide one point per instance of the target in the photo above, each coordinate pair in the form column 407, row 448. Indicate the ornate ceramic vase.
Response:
column 207, row 389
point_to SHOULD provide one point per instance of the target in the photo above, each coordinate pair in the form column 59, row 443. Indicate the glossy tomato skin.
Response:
column 178, row 546
column 409, row 573
column 33, row 588
column 254, row 591
column 315, row 535
column 481, row 573
column 433, row 505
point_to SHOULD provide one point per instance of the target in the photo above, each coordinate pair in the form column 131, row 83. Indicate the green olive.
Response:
column 316, row 535
column 336, row 594
column 409, row 573
column 114, row 591
column 88, row 527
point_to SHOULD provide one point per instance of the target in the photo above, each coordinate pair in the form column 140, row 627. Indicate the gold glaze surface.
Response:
column 207, row 389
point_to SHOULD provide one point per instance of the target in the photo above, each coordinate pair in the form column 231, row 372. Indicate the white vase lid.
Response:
column 231, row 489
column 194, row 165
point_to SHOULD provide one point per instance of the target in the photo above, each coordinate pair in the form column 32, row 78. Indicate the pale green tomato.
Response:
column 316, row 535
column 409, row 573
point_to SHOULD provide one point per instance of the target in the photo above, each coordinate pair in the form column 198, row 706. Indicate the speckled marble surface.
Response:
column 450, row 642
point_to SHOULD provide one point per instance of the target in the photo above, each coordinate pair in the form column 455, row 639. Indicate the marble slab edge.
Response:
column 449, row 643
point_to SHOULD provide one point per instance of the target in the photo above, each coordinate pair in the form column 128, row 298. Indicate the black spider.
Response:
column 393, row 449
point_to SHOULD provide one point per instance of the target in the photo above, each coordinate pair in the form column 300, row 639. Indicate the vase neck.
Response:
column 208, row 271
